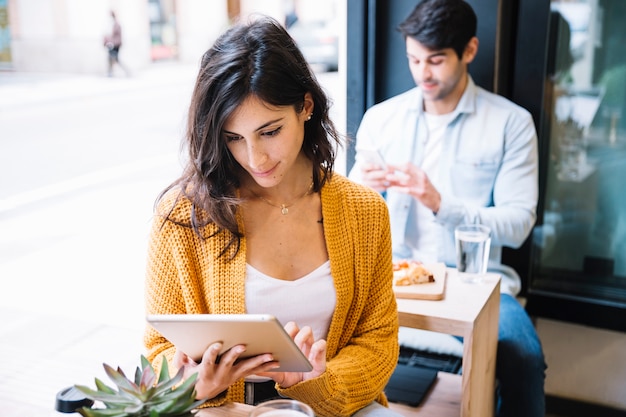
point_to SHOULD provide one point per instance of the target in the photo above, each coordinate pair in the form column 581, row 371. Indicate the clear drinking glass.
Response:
column 282, row 408
column 472, row 242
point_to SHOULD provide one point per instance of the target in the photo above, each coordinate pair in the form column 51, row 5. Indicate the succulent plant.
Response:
column 143, row 397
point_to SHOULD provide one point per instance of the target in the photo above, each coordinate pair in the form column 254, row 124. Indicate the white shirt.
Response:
column 422, row 228
column 308, row 301
column 487, row 170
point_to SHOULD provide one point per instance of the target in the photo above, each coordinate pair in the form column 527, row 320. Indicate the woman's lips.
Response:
column 263, row 173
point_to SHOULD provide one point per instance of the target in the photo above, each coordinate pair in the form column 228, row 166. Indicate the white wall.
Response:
column 199, row 23
column 273, row 8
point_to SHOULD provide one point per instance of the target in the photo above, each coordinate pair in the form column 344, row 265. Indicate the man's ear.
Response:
column 471, row 49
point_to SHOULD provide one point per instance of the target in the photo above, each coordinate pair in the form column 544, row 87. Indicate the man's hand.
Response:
column 409, row 179
column 375, row 176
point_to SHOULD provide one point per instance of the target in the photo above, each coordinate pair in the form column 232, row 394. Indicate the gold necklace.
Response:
column 284, row 208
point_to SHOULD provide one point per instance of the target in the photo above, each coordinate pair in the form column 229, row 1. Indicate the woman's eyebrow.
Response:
column 263, row 126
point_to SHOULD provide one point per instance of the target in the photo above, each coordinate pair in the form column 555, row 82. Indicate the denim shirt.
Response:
column 488, row 170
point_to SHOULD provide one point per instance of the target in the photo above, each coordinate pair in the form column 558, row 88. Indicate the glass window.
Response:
column 580, row 248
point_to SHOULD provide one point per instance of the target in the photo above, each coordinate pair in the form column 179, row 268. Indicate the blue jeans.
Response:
column 520, row 366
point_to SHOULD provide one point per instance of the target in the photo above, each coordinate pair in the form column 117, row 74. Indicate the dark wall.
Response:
column 392, row 70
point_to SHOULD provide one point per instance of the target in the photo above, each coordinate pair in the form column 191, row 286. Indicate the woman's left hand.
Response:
column 315, row 351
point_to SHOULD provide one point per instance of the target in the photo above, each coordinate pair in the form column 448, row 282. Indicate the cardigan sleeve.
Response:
column 160, row 289
column 172, row 287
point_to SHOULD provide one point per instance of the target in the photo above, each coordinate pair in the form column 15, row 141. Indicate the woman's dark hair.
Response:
column 441, row 24
column 260, row 59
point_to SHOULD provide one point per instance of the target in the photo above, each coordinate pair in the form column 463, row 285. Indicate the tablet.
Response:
column 261, row 333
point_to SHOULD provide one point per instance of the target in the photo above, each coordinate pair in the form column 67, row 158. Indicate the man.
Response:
column 455, row 154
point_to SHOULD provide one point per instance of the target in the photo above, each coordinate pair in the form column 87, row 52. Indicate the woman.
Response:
column 259, row 223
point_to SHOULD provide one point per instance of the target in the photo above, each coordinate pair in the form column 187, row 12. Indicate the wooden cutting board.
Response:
column 430, row 291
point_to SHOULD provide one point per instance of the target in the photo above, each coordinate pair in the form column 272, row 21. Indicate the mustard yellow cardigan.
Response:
column 185, row 275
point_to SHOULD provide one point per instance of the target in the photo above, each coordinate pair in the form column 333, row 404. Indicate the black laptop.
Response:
column 409, row 384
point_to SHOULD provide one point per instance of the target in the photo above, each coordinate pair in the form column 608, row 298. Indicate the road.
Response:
column 82, row 160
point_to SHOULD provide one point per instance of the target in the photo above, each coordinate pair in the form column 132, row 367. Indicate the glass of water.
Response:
column 282, row 408
column 472, row 251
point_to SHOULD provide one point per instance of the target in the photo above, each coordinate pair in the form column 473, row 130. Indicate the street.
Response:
column 79, row 176
column 82, row 160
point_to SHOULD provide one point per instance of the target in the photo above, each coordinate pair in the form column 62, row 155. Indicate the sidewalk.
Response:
column 72, row 255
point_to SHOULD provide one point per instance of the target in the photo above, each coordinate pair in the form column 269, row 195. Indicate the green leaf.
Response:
column 135, row 409
column 145, row 362
column 101, row 386
column 148, row 379
column 101, row 396
column 165, row 406
column 175, row 380
column 119, row 378
column 138, row 375
column 101, row 412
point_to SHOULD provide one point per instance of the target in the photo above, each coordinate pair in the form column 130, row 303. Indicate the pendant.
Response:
column 284, row 209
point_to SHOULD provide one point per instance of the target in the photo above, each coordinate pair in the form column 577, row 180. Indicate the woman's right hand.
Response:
column 217, row 372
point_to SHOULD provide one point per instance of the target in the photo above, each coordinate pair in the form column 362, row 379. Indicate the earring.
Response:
column 309, row 117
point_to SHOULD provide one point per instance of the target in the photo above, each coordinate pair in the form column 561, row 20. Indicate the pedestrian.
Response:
column 456, row 153
column 259, row 222
column 113, row 43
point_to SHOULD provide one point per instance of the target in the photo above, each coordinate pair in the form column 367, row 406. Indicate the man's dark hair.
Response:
column 441, row 24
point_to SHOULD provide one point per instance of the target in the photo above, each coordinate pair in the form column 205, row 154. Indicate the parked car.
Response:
column 319, row 42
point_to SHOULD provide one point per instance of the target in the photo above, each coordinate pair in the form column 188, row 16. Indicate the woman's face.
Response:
column 267, row 140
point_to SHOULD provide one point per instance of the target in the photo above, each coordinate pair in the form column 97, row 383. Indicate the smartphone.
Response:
column 373, row 156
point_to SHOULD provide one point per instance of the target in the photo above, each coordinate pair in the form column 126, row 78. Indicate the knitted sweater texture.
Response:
column 185, row 275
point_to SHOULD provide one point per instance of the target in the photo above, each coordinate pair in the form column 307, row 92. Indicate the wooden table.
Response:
column 470, row 311
column 467, row 310
column 444, row 401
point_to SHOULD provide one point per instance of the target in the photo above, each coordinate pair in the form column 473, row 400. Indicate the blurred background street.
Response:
column 82, row 160
column 84, row 151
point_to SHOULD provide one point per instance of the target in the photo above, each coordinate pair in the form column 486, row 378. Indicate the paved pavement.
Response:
column 72, row 251
column 73, row 237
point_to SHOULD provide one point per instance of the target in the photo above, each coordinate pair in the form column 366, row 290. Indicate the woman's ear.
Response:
column 308, row 106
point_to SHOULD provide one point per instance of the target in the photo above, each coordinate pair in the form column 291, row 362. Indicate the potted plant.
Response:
column 145, row 396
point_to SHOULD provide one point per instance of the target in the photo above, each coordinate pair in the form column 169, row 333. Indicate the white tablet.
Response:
column 261, row 333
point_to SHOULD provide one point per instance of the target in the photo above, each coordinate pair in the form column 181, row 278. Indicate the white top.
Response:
column 308, row 301
column 423, row 230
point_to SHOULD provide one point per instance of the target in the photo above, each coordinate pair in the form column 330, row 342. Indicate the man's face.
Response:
column 441, row 75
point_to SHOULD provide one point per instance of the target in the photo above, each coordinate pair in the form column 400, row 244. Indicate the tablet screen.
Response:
column 261, row 333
